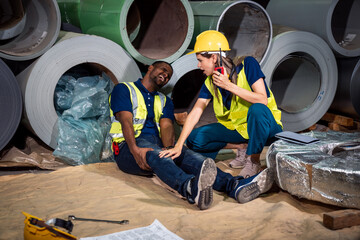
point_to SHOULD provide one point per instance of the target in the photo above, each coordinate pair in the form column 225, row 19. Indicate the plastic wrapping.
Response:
column 83, row 108
column 327, row 171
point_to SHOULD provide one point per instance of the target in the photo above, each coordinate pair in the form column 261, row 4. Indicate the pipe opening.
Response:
column 62, row 101
column 12, row 19
column 185, row 93
column 247, row 29
column 163, row 29
column 296, row 82
column 345, row 24
column 42, row 23
column 133, row 22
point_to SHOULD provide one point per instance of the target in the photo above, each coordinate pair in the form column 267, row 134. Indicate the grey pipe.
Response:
column 41, row 29
column 10, row 105
column 347, row 98
column 302, row 73
column 337, row 22
column 246, row 25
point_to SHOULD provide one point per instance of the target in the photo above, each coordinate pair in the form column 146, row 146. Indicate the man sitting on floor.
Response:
column 142, row 125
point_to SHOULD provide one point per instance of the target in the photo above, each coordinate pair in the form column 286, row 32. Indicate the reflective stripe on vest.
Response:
column 236, row 117
column 139, row 113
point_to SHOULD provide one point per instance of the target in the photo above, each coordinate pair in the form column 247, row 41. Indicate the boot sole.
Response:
column 206, row 180
column 248, row 192
column 264, row 180
column 239, row 166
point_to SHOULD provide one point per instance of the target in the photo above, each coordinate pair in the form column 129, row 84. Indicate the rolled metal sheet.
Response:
column 10, row 105
column 41, row 29
column 347, row 97
column 12, row 19
column 302, row 73
column 184, row 87
column 327, row 171
column 337, row 22
column 246, row 25
column 38, row 81
column 181, row 67
column 149, row 30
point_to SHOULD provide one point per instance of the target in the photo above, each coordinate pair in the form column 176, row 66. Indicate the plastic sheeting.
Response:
column 84, row 119
column 327, row 171
column 38, row 81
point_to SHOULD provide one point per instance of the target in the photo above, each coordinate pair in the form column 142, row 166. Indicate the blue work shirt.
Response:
column 121, row 101
column 252, row 72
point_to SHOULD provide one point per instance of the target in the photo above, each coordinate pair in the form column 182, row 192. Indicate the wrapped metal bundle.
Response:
column 327, row 171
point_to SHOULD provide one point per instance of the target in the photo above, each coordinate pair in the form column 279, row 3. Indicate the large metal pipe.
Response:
column 12, row 19
column 38, row 81
column 337, row 22
column 302, row 73
column 148, row 30
column 246, row 25
column 347, row 98
column 40, row 31
column 10, row 105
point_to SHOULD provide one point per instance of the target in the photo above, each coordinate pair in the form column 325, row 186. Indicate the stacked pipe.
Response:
column 297, row 63
column 147, row 30
column 301, row 70
column 246, row 25
column 27, row 30
column 338, row 24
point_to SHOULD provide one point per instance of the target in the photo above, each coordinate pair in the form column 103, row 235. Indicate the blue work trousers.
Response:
column 175, row 173
column 211, row 138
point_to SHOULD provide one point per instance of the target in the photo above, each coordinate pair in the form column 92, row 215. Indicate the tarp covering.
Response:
column 102, row 191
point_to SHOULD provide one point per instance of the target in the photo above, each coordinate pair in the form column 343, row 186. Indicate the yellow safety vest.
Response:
column 236, row 117
column 139, row 113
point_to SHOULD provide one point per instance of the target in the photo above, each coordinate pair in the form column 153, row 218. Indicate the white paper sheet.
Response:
column 154, row 231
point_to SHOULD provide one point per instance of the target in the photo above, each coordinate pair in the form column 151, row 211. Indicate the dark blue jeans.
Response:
column 175, row 173
column 210, row 139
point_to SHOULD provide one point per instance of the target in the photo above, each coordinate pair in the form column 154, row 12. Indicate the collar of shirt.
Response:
column 141, row 87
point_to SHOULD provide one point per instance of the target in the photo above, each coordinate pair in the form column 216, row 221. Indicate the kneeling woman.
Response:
column 243, row 104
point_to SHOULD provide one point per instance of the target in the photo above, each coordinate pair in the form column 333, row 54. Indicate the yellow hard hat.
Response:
column 210, row 41
column 37, row 229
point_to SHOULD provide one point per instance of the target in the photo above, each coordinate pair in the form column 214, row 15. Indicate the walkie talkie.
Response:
column 221, row 68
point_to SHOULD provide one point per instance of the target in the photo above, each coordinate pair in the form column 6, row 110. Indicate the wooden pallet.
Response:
column 340, row 123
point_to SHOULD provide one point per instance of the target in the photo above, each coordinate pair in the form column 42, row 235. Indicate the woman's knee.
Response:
column 258, row 110
column 196, row 140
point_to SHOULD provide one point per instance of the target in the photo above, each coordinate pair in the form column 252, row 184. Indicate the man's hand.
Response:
column 140, row 157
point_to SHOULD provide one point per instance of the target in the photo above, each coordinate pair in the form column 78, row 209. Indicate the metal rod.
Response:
column 72, row 217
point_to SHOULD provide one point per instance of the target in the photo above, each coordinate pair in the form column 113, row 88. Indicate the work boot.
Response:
column 250, row 168
column 240, row 159
column 247, row 189
column 201, row 185
column 265, row 180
